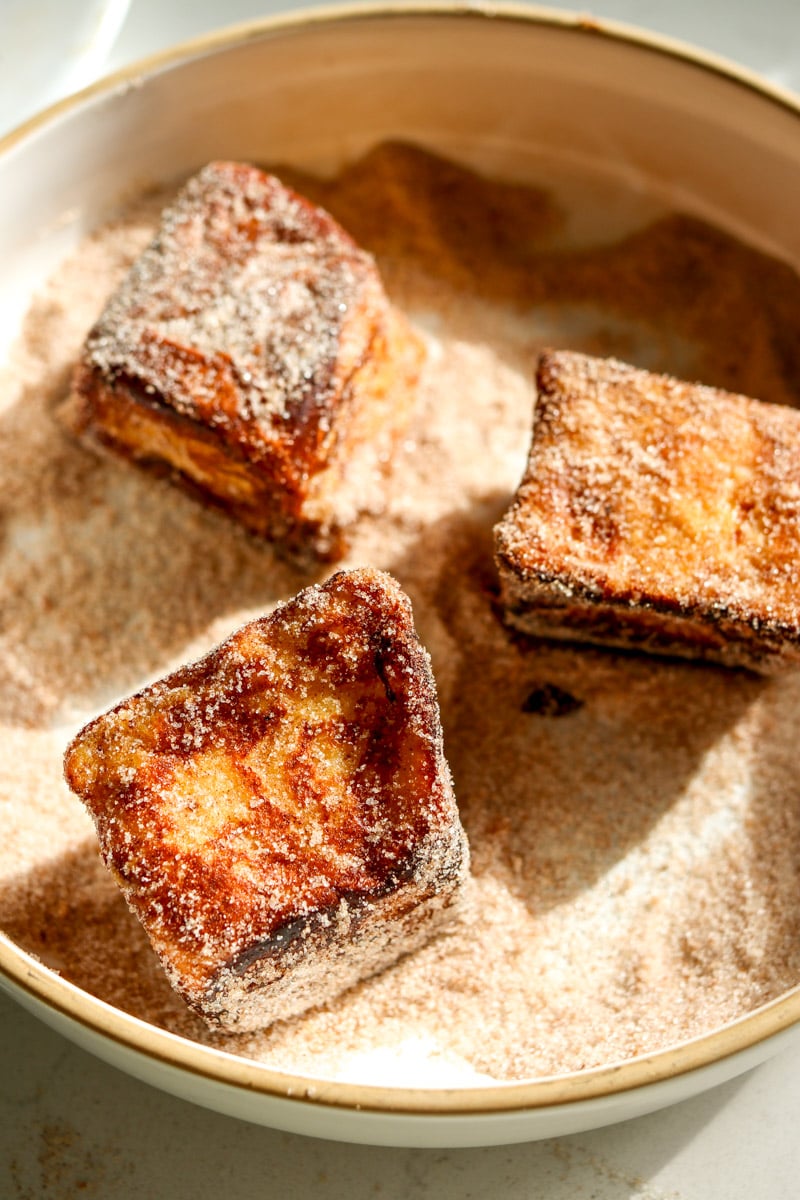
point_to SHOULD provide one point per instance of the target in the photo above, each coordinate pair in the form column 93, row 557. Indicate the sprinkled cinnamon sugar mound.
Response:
column 279, row 815
column 634, row 825
column 656, row 514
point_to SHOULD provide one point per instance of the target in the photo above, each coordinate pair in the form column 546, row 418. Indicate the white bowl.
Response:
column 501, row 87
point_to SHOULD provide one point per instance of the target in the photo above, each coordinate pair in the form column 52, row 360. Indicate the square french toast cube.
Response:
column 279, row 815
column 252, row 355
column 656, row 515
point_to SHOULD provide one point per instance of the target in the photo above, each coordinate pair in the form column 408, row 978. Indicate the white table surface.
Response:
column 71, row 1126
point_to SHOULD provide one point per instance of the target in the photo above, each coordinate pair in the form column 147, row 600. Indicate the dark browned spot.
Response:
column 549, row 700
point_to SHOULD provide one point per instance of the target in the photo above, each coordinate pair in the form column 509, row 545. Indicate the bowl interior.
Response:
column 504, row 90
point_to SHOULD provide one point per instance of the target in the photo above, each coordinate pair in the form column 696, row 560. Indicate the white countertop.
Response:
column 72, row 1126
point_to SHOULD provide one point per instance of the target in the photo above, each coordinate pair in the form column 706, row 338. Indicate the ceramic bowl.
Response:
column 504, row 88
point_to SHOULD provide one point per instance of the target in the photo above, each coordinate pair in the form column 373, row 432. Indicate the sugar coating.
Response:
column 279, row 815
column 658, row 514
column 251, row 351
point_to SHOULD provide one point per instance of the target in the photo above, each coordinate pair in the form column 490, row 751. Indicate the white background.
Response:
column 71, row 1126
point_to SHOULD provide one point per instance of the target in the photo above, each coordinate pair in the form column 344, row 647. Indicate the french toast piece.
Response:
column 280, row 815
column 251, row 354
column 656, row 515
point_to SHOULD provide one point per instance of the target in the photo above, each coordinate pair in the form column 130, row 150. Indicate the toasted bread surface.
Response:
column 252, row 353
column 656, row 514
column 279, row 815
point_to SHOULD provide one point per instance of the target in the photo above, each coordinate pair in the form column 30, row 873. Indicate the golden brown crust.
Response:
column 658, row 515
column 252, row 353
column 281, row 807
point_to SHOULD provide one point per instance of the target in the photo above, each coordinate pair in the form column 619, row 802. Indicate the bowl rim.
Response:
column 43, row 986
column 345, row 11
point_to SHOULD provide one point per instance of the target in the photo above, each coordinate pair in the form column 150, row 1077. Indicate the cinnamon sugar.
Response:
column 636, row 853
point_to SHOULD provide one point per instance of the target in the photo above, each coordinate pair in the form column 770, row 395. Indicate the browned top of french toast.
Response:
column 249, row 313
column 640, row 487
column 297, row 764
